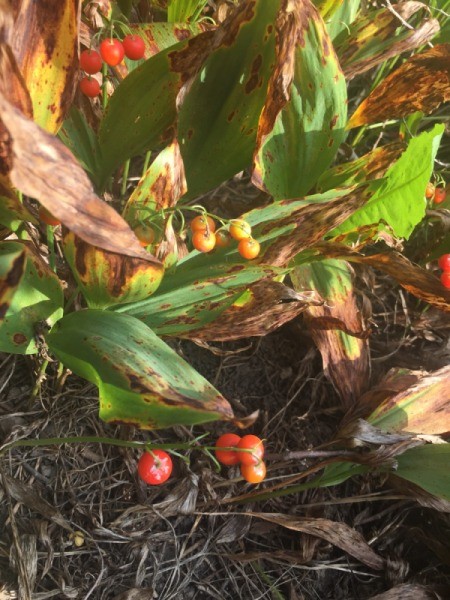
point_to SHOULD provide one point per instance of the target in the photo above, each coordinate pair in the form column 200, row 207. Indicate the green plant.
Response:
column 155, row 467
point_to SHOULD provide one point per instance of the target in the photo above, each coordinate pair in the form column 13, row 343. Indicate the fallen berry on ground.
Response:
column 228, row 457
column 155, row 467
column 254, row 473
column 253, row 443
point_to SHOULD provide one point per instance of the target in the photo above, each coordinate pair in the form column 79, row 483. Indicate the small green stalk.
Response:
column 51, row 247
column 126, row 170
column 104, row 83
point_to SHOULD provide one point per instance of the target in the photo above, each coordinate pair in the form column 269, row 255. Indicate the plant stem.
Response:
column 126, row 170
column 104, row 83
column 51, row 247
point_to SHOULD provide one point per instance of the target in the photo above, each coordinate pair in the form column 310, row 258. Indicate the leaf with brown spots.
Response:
column 374, row 37
column 107, row 278
column 264, row 307
column 30, row 293
column 141, row 380
column 220, row 106
column 414, row 279
column 12, row 211
column 45, row 43
column 423, row 407
column 372, row 165
column 47, row 170
column 339, row 534
column 303, row 120
column 421, row 83
column 345, row 357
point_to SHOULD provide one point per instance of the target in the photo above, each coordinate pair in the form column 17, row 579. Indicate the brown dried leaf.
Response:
column 362, row 431
column 48, row 171
column 407, row 591
column 414, row 279
column 31, row 499
column 421, row 83
column 338, row 534
column 386, row 23
column 270, row 304
column 136, row 594
column 419, row 494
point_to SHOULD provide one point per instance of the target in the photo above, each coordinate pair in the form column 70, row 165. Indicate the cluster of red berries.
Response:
column 444, row 265
column 205, row 238
column 437, row 194
column 111, row 52
column 249, row 452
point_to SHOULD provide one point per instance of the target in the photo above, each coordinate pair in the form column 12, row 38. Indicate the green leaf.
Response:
column 218, row 119
column 400, row 201
column 304, row 118
column 80, row 138
column 141, row 380
column 342, row 17
column 183, row 10
column 427, row 467
column 33, row 295
column 12, row 212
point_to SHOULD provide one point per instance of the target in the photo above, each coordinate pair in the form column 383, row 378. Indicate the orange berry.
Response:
column 253, row 443
column 240, row 229
column 47, row 217
column 223, row 238
column 203, row 241
column 249, row 248
column 203, row 223
column 429, row 191
column 254, row 473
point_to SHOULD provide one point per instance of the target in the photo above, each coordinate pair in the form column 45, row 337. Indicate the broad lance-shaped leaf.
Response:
column 342, row 17
column 414, row 279
column 107, row 278
column 12, row 211
column 218, row 118
column 375, row 37
column 427, row 467
column 48, row 171
column 372, row 165
column 423, row 407
column 45, row 39
column 141, row 380
column 421, row 83
column 303, row 120
column 345, row 357
column 400, row 200
column 30, row 293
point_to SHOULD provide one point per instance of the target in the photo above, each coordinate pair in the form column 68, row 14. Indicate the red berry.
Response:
column 155, row 467
column 228, row 457
column 90, row 61
column 134, row 47
column 439, row 195
column 90, row 87
column 445, row 279
column 47, row 217
column 254, row 473
column 253, row 443
column 444, row 262
column 112, row 51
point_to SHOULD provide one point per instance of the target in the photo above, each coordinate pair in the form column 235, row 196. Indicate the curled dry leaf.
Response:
column 264, row 307
column 48, row 171
column 338, row 534
column 407, row 591
column 374, row 37
column 414, row 279
column 422, row 83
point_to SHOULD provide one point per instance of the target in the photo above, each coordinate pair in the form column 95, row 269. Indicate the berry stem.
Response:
column 104, row 84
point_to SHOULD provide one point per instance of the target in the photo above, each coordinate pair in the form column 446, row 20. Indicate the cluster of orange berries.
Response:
column 111, row 52
column 253, row 468
column 437, row 194
column 444, row 265
column 205, row 238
